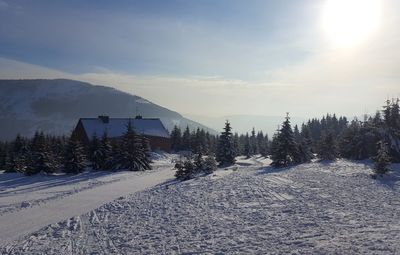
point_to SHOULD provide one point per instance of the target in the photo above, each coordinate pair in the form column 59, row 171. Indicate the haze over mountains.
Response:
column 54, row 106
column 245, row 123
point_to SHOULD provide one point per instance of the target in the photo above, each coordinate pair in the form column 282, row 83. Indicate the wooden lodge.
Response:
column 151, row 128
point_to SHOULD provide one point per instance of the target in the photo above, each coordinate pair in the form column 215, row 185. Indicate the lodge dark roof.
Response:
column 116, row 127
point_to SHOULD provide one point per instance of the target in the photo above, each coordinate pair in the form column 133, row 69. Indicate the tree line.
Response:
column 49, row 154
column 375, row 137
column 200, row 141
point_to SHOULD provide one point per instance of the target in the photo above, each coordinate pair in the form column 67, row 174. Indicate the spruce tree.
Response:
column 391, row 129
column 209, row 165
column 304, row 154
column 261, row 146
column 17, row 156
column 74, row 159
column 306, row 138
column 3, row 155
column 186, row 139
column 146, row 162
column 133, row 156
column 198, row 163
column 210, row 141
column 266, row 148
column 176, row 139
column 203, row 142
column 197, row 144
column 184, row 170
column 236, row 144
column 225, row 149
column 41, row 158
column 278, row 156
column 57, row 146
column 327, row 149
column 116, row 154
column 296, row 134
column 253, row 143
column 247, row 146
column 284, row 149
column 104, row 156
column 382, row 159
column 94, row 152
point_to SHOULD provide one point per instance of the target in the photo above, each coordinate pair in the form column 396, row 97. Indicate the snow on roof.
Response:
column 116, row 127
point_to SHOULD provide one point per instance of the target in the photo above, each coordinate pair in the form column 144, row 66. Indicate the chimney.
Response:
column 104, row 118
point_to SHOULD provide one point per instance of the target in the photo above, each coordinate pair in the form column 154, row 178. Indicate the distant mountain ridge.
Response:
column 54, row 106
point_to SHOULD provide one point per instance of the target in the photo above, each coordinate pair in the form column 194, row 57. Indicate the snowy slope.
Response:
column 28, row 203
column 55, row 106
column 315, row 208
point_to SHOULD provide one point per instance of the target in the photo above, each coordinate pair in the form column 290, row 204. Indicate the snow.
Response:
column 19, row 101
column 116, row 127
column 249, row 208
column 28, row 203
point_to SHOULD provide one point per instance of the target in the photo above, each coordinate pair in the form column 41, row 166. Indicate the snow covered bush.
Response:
column 209, row 165
column 191, row 168
column 184, row 170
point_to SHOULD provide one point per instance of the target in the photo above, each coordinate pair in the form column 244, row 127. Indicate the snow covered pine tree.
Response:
column 133, row 156
column 102, row 156
column 225, row 149
column 41, row 157
column 382, row 159
column 327, row 149
column 284, row 148
column 74, row 161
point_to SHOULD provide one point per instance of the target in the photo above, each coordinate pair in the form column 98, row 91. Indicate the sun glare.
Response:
column 350, row 22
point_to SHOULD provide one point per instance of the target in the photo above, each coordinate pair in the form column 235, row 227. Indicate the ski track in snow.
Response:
column 316, row 208
column 30, row 203
column 42, row 189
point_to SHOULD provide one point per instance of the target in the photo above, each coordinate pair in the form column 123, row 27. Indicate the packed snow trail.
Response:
column 70, row 199
column 315, row 208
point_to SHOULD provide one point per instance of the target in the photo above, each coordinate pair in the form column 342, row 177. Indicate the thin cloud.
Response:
column 3, row 4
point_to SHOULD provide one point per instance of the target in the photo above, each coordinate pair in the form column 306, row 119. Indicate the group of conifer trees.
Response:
column 376, row 137
column 198, row 141
column 196, row 164
column 49, row 154
column 253, row 144
column 203, row 142
column 316, row 137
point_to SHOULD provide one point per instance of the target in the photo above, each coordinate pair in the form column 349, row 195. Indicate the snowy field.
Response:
column 28, row 203
column 317, row 208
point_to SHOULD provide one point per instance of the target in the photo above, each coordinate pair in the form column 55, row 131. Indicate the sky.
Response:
column 214, row 57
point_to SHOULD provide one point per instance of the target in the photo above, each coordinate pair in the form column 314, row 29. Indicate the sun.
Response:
column 350, row 22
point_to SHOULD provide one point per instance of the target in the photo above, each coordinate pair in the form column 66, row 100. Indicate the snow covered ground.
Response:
column 323, row 208
column 28, row 203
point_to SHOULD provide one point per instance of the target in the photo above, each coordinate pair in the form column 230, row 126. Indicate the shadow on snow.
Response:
column 14, row 182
